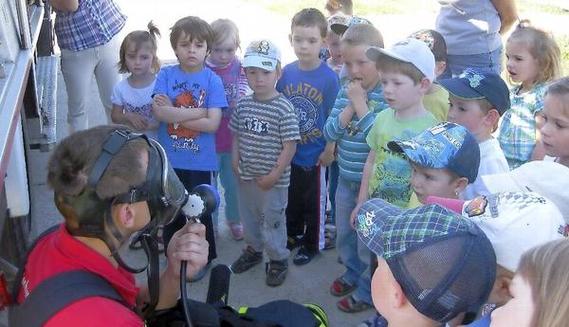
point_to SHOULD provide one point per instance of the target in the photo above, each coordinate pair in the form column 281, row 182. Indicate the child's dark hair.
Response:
column 225, row 29
column 542, row 47
column 309, row 17
column 345, row 6
column 194, row 27
column 140, row 39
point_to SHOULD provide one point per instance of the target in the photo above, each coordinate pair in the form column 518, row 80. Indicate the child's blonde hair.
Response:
column 545, row 268
column 542, row 47
column 362, row 34
column 140, row 39
column 225, row 29
column 560, row 88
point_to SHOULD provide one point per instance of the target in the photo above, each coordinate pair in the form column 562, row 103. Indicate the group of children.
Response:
column 387, row 130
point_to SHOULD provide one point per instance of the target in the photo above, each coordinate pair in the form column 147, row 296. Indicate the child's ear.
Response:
column 425, row 85
column 398, row 299
column 460, row 184
column 500, row 294
column 492, row 117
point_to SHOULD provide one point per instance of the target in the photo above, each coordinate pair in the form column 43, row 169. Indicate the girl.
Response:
column 533, row 59
column 555, row 122
column 539, row 289
column 223, row 61
column 132, row 97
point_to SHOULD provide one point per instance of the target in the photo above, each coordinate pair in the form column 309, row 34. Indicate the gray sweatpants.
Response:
column 263, row 218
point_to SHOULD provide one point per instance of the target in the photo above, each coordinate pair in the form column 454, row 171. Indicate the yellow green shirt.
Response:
column 437, row 103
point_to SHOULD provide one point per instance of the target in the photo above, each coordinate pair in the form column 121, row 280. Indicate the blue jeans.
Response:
column 229, row 183
column 456, row 64
column 354, row 254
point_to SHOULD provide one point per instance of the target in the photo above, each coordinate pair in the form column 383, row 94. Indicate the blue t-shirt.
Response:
column 188, row 149
column 313, row 94
column 482, row 322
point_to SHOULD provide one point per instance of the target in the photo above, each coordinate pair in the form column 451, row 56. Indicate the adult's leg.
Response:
column 106, row 72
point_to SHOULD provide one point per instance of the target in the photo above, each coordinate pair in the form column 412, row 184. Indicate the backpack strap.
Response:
column 70, row 286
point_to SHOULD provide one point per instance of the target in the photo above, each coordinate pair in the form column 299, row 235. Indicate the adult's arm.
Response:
column 65, row 5
column 508, row 13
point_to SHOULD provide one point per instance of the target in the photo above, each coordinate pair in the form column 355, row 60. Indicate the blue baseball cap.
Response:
column 475, row 84
column 446, row 145
column 444, row 263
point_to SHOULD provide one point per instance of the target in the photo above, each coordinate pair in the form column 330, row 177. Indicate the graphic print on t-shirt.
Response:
column 184, row 138
column 306, row 100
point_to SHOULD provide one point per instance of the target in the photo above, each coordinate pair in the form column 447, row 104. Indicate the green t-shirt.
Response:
column 437, row 103
column 391, row 173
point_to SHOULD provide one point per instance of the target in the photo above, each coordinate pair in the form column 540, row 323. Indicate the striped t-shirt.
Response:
column 261, row 128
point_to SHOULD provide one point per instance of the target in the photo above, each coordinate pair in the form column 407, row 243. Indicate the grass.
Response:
column 563, row 42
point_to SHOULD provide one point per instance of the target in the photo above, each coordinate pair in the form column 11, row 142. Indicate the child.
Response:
column 426, row 259
column 311, row 86
column 539, row 289
column 436, row 99
column 444, row 159
column 555, row 125
column 223, row 61
column 533, row 61
column 335, row 60
column 334, row 7
column 514, row 223
column 356, row 106
column 265, row 130
column 188, row 100
column 477, row 100
column 407, row 70
column 132, row 97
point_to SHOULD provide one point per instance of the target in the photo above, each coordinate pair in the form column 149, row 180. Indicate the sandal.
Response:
column 350, row 305
column 340, row 287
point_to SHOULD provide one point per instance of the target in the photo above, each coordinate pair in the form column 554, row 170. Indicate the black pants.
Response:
column 303, row 213
column 191, row 179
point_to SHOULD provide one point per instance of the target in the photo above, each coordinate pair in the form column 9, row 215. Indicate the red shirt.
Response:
column 59, row 252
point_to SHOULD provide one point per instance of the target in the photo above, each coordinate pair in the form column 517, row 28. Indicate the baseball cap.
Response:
column 262, row 54
column 341, row 24
column 443, row 262
column 411, row 51
column 514, row 222
column 446, row 145
column 475, row 84
column 547, row 178
column 435, row 41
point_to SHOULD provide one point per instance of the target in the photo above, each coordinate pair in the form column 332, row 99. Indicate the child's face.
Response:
column 223, row 52
column 431, row 181
column 333, row 43
column 467, row 113
column 359, row 66
column 520, row 310
column 521, row 65
column 261, row 81
column 139, row 62
column 307, row 42
column 400, row 91
column 555, row 126
column 191, row 53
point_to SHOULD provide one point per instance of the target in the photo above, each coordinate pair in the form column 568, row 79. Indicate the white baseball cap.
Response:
column 262, row 54
column 409, row 50
column 514, row 222
column 547, row 178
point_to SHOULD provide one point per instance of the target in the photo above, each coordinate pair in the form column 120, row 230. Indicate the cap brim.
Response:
column 370, row 221
column 260, row 62
column 415, row 153
column 459, row 88
column 374, row 53
column 339, row 29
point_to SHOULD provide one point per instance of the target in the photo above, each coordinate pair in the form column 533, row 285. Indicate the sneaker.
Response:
column 293, row 242
column 303, row 256
column 276, row 272
column 236, row 231
column 349, row 304
column 329, row 237
column 247, row 260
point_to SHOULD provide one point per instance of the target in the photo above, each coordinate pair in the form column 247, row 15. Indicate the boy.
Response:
column 407, row 71
column 265, row 129
column 188, row 98
column 514, row 222
column 444, row 160
column 477, row 100
column 311, row 86
column 356, row 106
column 426, row 259
column 436, row 99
